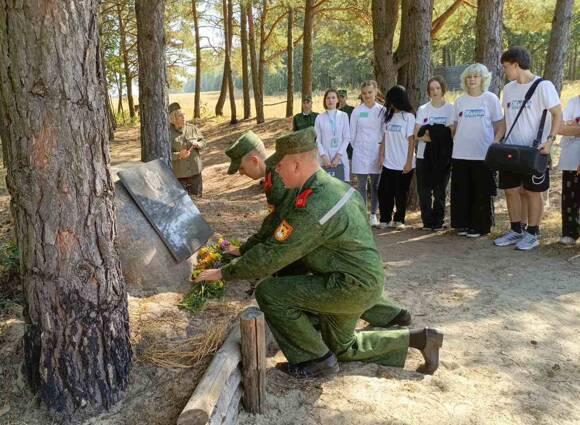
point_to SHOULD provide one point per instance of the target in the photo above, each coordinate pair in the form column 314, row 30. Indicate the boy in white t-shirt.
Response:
column 516, row 62
column 570, row 166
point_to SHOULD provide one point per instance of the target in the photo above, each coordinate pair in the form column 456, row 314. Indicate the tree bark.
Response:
column 76, row 343
column 385, row 15
column 307, row 51
column 219, row 107
column 414, row 74
column 559, row 43
column 488, row 41
column 153, row 97
column 253, row 64
column 230, row 18
column 245, row 74
column 197, row 101
column 290, row 65
column 125, row 56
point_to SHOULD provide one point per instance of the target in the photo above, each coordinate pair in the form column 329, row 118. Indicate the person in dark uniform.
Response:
column 306, row 118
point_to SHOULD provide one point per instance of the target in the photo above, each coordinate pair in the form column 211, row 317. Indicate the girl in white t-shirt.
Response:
column 398, row 158
column 333, row 135
column 366, row 123
column 477, row 119
column 432, row 181
column 570, row 166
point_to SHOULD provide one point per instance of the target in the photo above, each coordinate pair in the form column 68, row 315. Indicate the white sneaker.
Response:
column 567, row 240
column 374, row 220
column 399, row 225
column 510, row 238
column 383, row 225
column 528, row 242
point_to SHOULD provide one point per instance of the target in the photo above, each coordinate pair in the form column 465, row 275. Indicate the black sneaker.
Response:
column 439, row 228
column 462, row 231
column 472, row 233
column 324, row 366
column 402, row 319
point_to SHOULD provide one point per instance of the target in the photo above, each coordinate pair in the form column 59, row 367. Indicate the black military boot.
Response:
column 327, row 365
column 402, row 319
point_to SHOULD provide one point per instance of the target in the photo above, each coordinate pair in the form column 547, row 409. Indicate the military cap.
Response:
column 296, row 142
column 307, row 98
column 245, row 144
column 342, row 92
column 174, row 107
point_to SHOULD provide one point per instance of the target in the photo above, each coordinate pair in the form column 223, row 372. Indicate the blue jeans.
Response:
column 362, row 180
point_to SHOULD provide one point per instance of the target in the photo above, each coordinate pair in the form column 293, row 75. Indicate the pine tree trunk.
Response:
column 125, row 56
column 153, row 97
column 414, row 74
column 197, row 101
column 245, row 74
column 415, row 52
column 290, row 65
column 488, row 40
column 76, row 343
column 253, row 64
column 385, row 15
column 559, row 43
column 219, row 107
column 230, row 18
column 307, row 52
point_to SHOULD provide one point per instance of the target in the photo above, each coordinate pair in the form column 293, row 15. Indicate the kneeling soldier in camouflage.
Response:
column 327, row 229
column 248, row 155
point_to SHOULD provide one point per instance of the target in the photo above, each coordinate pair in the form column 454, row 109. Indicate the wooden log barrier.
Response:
column 214, row 383
column 253, row 341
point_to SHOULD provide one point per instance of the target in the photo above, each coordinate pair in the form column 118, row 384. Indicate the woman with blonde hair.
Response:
column 477, row 123
column 366, row 131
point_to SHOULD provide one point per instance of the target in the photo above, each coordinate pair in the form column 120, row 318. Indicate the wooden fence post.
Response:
column 253, row 343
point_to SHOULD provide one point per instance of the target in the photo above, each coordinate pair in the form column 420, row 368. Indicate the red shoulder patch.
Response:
column 302, row 199
column 268, row 182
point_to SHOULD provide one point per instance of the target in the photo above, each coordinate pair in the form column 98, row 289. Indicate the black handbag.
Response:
column 515, row 158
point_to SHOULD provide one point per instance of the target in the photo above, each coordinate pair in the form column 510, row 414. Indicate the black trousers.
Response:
column 570, row 204
column 431, row 188
column 393, row 191
column 472, row 191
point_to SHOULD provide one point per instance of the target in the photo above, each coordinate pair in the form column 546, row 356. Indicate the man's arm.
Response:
column 499, row 130
column 569, row 128
column 556, row 113
column 292, row 239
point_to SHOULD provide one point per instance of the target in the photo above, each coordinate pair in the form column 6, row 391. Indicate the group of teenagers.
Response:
column 383, row 145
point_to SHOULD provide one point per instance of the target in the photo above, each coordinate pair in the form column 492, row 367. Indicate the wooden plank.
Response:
column 253, row 347
column 221, row 409
column 234, row 408
column 201, row 405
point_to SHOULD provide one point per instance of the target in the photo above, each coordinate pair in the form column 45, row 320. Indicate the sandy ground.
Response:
column 511, row 321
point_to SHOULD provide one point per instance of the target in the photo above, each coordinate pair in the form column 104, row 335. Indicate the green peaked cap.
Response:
column 342, row 92
column 296, row 142
column 245, row 144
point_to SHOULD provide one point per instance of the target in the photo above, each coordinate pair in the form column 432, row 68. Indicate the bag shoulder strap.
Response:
column 527, row 97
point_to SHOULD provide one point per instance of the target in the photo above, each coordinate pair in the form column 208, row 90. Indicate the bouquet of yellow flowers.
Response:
column 208, row 257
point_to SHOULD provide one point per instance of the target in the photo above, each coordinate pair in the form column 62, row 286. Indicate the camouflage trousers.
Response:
column 338, row 300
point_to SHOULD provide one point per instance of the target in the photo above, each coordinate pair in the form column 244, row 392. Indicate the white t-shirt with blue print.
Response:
column 429, row 114
column 397, row 132
column 474, row 117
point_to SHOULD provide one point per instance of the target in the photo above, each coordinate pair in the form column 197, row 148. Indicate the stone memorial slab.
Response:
column 168, row 208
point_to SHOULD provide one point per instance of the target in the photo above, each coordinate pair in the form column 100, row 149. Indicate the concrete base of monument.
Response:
column 147, row 265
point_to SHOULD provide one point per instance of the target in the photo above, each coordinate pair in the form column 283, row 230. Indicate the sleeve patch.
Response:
column 283, row 231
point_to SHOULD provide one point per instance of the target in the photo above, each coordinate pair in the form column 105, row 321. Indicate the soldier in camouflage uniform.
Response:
column 247, row 155
column 327, row 229
column 186, row 142
column 306, row 118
